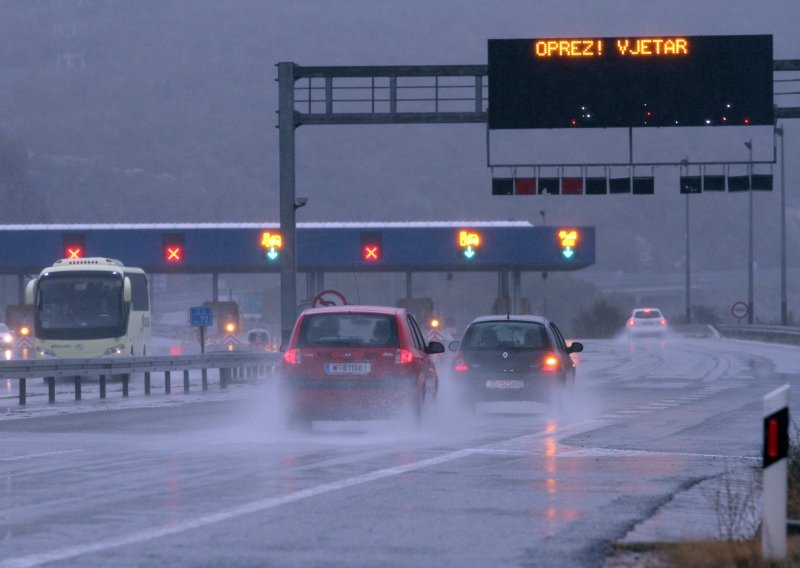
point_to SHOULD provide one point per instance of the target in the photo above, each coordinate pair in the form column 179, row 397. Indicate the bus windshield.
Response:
column 80, row 305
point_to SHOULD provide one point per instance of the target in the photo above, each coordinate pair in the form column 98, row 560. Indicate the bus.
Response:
column 90, row 307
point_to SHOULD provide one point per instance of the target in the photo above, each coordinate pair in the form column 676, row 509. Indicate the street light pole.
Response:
column 543, row 213
column 688, row 291
column 750, row 315
column 688, row 269
column 784, row 310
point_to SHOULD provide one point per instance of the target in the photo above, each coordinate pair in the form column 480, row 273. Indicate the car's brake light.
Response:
column 631, row 321
column 403, row 357
column 460, row 364
column 663, row 321
column 291, row 356
column 550, row 363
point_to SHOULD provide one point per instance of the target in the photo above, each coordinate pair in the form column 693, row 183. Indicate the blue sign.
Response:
column 201, row 316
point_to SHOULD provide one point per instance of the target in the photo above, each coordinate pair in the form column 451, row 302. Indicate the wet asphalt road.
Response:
column 218, row 480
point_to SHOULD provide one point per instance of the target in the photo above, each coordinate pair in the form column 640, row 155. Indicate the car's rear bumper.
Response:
column 353, row 399
column 491, row 388
column 644, row 331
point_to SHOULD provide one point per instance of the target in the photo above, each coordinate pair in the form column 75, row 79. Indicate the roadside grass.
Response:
column 729, row 552
column 701, row 554
column 793, row 468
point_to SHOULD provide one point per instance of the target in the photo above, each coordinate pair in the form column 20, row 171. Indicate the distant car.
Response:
column 6, row 339
column 258, row 339
column 515, row 357
column 357, row 362
column 646, row 321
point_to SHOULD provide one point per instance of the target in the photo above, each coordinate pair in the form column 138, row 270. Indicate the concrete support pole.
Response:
column 516, row 291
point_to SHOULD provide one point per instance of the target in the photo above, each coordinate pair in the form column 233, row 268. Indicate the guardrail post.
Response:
column 77, row 387
column 224, row 377
column 205, row 379
column 51, row 390
column 147, row 383
column 186, row 380
column 22, row 391
column 102, row 386
column 775, row 474
column 125, row 380
column 167, row 383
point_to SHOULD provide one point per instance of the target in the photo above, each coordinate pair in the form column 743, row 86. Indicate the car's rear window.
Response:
column 647, row 314
column 348, row 330
column 505, row 335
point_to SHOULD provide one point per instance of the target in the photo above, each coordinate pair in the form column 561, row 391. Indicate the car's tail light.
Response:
column 291, row 356
column 460, row 364
column 403, row 357
column 663, row 321
column 631, row 321
column 550, row 363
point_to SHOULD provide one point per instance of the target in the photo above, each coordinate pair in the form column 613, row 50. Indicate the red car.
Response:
column 357, row 362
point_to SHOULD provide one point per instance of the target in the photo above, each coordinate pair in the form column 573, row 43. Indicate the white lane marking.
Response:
column 612, row 452
column 41, row 455
column 246, row 509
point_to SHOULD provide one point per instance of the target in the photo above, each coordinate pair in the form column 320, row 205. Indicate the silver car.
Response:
column 646, row 321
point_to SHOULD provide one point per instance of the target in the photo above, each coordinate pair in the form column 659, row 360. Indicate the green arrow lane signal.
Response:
column 272, row 254
column 568, row 252
column 469, row 252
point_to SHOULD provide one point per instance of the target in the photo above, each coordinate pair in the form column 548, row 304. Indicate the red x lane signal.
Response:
column 372, row 252
column 174, row 254
column 173, row 249
column 74, row 252
column 371, row 246
column 74, row 245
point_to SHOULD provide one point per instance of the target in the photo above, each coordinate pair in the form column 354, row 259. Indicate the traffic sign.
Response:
column 594, row 82
column 201, row 316
column 740, row 310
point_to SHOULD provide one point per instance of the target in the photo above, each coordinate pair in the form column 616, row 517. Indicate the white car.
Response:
column 6, row 339
column 646, row 321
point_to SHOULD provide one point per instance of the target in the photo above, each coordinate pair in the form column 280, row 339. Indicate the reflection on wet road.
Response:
column 220, row 481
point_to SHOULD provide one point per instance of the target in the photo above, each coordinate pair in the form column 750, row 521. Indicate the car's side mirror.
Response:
column 454, row 345
column 434, row 347
column 575, row 347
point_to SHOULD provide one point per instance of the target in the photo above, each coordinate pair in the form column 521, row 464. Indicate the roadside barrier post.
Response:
column 22, row 390
column 205, row 379
column 77, row 387
column 167, row 383
column 51, row 390
column 102, row 386
column 776, row 446
column 186, row 380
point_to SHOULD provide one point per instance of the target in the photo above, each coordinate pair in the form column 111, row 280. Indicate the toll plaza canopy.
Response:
column 321, row 247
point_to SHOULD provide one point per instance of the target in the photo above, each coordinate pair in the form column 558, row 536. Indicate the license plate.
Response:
column 504, row 384
column 348, row 368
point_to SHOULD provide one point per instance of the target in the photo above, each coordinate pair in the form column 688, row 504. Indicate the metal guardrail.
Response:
column 772, row 332
column 231, row 366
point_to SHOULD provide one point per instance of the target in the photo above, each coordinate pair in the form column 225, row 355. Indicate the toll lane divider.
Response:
column 231, row 366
